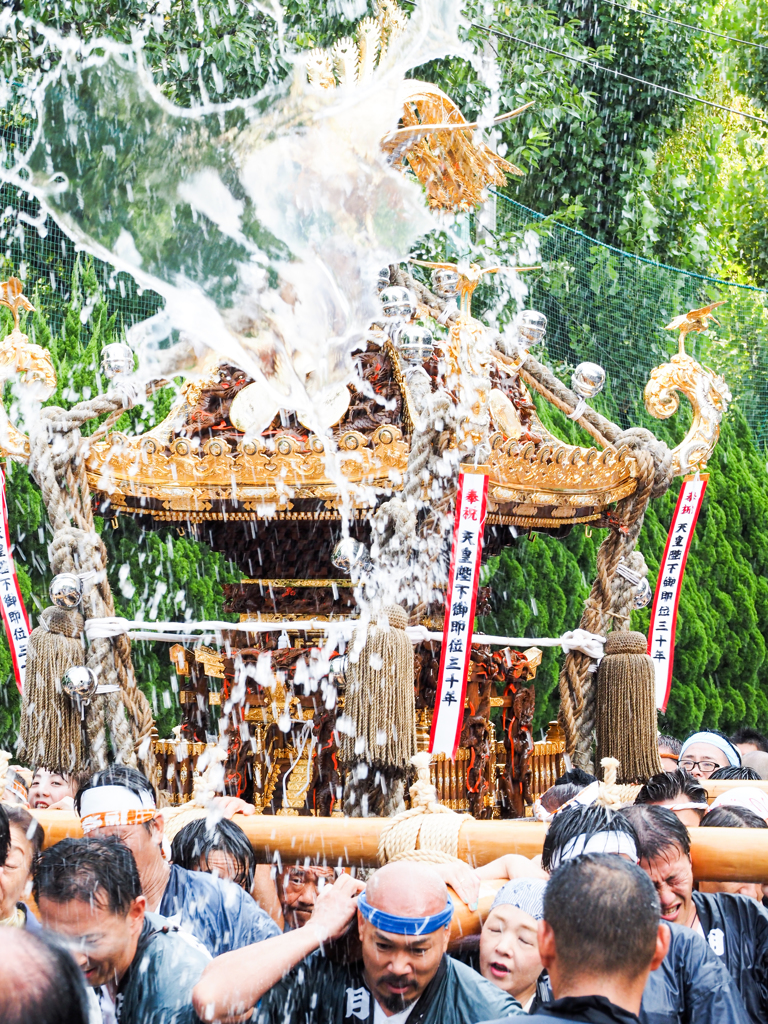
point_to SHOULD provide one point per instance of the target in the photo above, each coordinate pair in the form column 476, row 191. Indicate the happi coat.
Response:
column 321, row 991
column 217, row 912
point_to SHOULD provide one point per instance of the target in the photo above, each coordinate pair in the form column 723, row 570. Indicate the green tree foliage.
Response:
column 154, row 574
column 631, row 165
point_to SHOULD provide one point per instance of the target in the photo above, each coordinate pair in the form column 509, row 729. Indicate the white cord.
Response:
column 172, row 632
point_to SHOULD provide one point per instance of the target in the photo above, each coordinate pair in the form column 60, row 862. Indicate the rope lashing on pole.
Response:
column 56, row 463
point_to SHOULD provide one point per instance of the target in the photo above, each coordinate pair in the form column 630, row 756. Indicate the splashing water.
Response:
column 263, row 222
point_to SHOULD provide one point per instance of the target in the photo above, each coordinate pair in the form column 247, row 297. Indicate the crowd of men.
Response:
column 607, row 925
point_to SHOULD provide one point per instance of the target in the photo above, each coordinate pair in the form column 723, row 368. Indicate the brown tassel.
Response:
column 50, row 734
column 379, row 695
column 626, row 707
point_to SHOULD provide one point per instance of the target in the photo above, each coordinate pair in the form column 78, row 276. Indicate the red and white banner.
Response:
column 11, row 605
column 463, row 579
column 661, row 636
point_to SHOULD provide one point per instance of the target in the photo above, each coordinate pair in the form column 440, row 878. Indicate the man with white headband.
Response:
column 691, row 986
column 403, row 919
column 120, row 801
column 705, row 752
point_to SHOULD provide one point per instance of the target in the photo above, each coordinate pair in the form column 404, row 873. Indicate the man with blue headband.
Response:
column 403, row 973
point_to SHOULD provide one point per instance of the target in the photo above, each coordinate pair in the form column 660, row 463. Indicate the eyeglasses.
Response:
column 687, row 764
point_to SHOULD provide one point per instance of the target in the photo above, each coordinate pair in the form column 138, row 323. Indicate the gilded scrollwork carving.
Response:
column 709, row 396
column 21, row 357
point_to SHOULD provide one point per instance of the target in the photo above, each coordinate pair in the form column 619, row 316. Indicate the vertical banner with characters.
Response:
column 661, row 635
column 11, row 604
column 461, row 598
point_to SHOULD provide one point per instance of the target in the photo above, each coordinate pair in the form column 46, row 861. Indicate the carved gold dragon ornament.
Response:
column 707, row 392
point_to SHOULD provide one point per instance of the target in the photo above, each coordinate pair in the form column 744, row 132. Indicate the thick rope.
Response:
column 577, row 696
column 57, row 464
column 429, row 831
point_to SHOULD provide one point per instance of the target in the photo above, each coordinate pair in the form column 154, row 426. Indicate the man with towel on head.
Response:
column 403, row 919
column 120, row 801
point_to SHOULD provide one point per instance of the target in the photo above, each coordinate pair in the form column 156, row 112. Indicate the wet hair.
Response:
column 658, row 830
column 42, row 984
column 5, row 834
column 76, row 869
column 733, row 817
column 576, row 777
column 193, row 843
column 117, row 775
column 617, row 936
column 674, row 746
column 747, row 735
column 579, row 820
column 556, row 796
column 670, row 786
column 30, row 826
column 731, row 772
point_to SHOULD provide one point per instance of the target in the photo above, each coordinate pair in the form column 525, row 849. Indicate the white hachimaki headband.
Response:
column 107, row 806
column 722, row 744
column 600, row 842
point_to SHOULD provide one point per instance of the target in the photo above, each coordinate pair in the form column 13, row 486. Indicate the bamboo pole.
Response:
column 718, row 854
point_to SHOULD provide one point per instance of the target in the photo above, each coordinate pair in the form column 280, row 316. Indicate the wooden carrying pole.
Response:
column 719, row 854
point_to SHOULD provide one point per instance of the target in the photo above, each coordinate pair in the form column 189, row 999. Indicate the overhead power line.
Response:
column 620, row 74
column 683, row 24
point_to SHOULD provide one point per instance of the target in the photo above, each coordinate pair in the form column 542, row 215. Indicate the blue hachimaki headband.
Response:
column 404, row 925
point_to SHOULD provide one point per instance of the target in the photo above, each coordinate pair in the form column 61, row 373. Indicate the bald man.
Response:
column 403, row 919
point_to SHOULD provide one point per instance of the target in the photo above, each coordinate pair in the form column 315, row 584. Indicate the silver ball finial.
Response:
column 531, row 326
column 588, row 380
column 643, row 594
column 347, row 553
column 398, row 304
column 116, row 360
column 79, row 683
column 445, row 283
column 414, row 343
column 382, row 280
column 66, row 590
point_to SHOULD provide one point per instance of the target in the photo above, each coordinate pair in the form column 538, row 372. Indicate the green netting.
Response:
column 602, row 304
column 36, row 249
column 610, row 307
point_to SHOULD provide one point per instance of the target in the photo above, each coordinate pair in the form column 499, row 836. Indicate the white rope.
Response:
column 171, row 632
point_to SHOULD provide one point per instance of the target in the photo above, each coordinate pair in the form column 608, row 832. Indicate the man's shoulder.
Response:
column 731, row 908
column 167, row 966
column 163, row 939
column 487, row 1000
column 219, row 894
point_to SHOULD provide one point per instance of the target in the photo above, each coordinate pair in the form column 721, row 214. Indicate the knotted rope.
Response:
column 429, row 831
column 577, row 698
column 57, row 464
